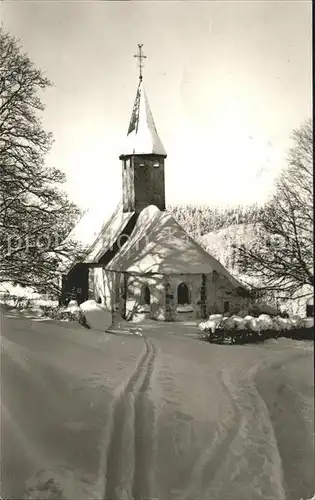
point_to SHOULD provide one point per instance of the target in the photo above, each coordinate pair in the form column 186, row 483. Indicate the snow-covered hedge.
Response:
column 22, row 302
column 238, row 330
column 60, row 313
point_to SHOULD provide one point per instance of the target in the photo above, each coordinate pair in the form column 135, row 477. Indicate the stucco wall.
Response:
column 164, row 305
column 103, row 286
column 224, row 292
column 183, row 313
column 134, row 290
column 157, row 286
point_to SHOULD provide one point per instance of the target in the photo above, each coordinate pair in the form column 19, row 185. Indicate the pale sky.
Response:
column 226, row 81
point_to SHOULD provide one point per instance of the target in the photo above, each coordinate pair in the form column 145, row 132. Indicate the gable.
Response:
column 159, row 245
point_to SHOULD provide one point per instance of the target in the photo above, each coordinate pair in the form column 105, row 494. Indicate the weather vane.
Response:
column 140, row 56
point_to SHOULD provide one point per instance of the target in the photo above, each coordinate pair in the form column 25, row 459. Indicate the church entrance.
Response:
column 75, row 285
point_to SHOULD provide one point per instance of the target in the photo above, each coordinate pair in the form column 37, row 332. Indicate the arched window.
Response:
column 183, row 294
column 145, row 295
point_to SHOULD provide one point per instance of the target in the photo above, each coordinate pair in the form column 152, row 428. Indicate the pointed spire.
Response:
column 142, row 136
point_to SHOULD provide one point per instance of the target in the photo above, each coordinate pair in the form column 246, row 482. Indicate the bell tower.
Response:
column 143, row 156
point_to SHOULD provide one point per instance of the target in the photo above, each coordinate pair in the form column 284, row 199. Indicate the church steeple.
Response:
column 142, row 136
column 142, row 156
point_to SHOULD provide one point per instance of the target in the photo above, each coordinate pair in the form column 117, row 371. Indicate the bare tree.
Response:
column 281, row 257
column 35, row 216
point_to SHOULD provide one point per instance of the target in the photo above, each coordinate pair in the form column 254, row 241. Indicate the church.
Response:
column 141, row 262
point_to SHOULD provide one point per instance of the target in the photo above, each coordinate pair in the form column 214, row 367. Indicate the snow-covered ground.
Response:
column 173, row 417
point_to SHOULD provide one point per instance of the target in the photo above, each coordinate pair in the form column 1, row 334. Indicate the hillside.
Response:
column 200, row 220
column 217, row 230
column 220, row 244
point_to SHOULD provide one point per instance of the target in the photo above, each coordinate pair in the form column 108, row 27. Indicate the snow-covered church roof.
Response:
column 142, row 136
column 87, row 231
column 158, row 244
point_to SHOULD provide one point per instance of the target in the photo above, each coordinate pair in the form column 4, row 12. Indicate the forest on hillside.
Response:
column 200, row 220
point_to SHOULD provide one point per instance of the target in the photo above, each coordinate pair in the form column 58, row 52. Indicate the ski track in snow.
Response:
column 255, row 445
column 214, row 454
column 131, row 445
column 244, row 450
column 241, row 441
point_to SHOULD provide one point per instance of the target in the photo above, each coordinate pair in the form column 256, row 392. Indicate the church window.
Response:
column 183, row 294
column 156, row 164
column 145, row 295
column 226, row 306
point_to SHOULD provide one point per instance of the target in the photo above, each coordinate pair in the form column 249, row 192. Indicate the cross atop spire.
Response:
column 140, row 56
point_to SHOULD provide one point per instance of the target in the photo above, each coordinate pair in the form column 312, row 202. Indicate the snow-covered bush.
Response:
column 227, row 324
column 234, row 329
column 239, row 322
column 63, row 314
column 308, row 323
column 243, row 313
column 98, row 317
column 265, row 322
column 216, row 317
column 247, row 320
column 202, row 326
